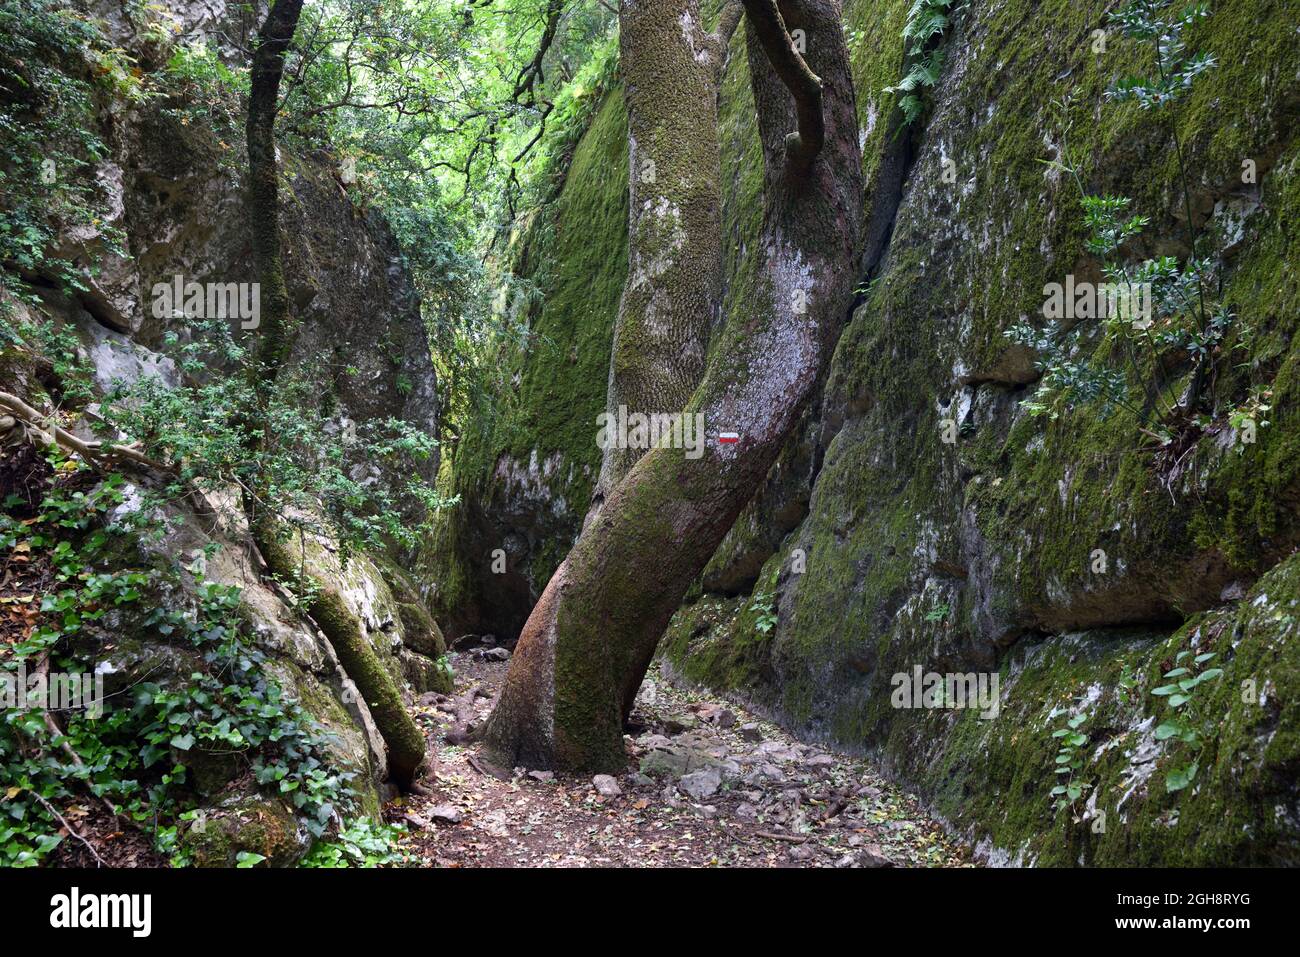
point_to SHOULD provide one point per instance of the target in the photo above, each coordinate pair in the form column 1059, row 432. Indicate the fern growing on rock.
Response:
column 926, row 22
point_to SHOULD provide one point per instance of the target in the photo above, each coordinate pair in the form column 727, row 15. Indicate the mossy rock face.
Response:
column 252, row 825
column 981, row 555
column 1241, row 808
column 419, row 631
column 525, row 478
column 426, row 674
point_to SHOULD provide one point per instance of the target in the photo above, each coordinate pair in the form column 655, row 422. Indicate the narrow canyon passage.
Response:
column 708, row 784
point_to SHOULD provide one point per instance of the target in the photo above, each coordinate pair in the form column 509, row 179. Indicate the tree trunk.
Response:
column 275, row 331
column 671, row 298
column 406, row 742
column 328, row 609
column 587, row 645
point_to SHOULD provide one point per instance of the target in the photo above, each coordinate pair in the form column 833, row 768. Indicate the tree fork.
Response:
column 805, row 86
column 585, row 649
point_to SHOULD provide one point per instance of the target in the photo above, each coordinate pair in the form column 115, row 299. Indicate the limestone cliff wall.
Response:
column 880, row 547
column 171, row 180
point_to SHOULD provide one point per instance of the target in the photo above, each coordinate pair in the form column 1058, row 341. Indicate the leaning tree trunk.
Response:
column 672, row 294
column 275, row 335
column 587, row 645
column 275, row 330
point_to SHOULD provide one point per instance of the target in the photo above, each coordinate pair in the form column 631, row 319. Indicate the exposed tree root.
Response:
column 326, row 607
column 45, row 431
column 462, row 710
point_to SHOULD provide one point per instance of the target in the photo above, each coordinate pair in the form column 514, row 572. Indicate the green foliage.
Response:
column 434, row 113
column 926, row 22
column 1152, row 21
column 939, row 612
column 1186, row 677
column 362, row 843
column 303, row 463
column 1183, row 320
column 765, row 607
column 138, row 754
column 1069, row 761
column 54, row 68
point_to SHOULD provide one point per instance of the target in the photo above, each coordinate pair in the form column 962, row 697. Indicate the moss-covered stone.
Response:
column 525, row 479
column 980, row 555
column 265, row 826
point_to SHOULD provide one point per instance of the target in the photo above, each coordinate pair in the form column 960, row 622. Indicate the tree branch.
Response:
column 804, row 85
column 47, row 432
column 728, row 20
column 531, row 75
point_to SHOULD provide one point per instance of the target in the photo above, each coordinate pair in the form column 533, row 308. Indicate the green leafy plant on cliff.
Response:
column 1179, row 315
column 926, row 22
column 765, row 607
column 1169, row 322
column 1069, row 762
column 1251, row 415
column 939, row 612
column 1185, row 677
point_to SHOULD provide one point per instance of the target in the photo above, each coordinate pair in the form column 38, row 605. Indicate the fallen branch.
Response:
column 788, row 838
column 49, row 433
column 70, row 829
column 326, row 607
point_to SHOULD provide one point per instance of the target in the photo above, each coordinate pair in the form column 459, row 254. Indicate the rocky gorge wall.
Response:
column 173, row 186
column 877, row 546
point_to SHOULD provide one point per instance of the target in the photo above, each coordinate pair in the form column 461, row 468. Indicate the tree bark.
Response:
column 275, row 335
column 672, row 294
column 275, row 332
column 587, row 645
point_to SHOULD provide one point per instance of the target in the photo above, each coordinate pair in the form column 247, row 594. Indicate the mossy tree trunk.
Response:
column 672, row 294
column 587, row 645
column 275, row 332
column 327, row 608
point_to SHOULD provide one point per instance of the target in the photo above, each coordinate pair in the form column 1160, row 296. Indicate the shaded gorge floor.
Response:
column 707, row 784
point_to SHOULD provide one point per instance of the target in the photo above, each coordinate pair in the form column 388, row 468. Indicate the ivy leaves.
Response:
column 1177, row 726
column 1069, row 761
